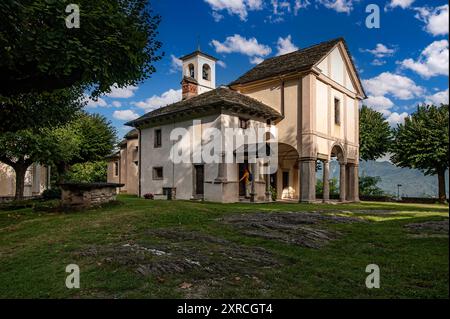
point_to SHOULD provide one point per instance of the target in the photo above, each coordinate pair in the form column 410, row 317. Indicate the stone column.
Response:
column 307, row 174
column 342, row 182
column 326, row 181
column 268, row 194
column 353, row 181
column 253, row 170
column 36, row 182
column 350, row 182
column 222, row 170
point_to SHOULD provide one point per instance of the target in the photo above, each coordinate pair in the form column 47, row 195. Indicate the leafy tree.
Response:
column 87, row 138
column 422, row 143
column 368, row 186
column 39, row 110
column 375, row 134
column 23, row 148
column 89, row 172
column 115, row 45
column 334, row 189
column 96, row 136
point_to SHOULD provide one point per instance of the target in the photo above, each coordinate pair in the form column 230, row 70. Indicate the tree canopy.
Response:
column 96, row 139
column 23, row 148
column 422, row 143
column 115, row 45
column 86, row 138
column 39, row 110
column 375, row 134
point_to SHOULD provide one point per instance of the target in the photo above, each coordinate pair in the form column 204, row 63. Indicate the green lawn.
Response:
column 161, row 249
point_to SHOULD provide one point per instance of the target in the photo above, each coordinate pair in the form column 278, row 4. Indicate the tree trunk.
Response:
column 441, row 180
column 20, row 171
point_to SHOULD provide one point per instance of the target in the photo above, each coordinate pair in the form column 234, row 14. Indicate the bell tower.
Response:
column 199, row 74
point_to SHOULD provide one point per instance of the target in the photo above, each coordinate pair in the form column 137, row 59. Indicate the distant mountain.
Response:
column 414, row 183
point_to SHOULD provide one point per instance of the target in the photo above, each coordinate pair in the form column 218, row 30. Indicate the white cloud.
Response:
column 234, row 7
column 239, row 44
column 433, row 60
column 175, row 64
column 400, row 3
column 378, row 62
column 122, row 93
column 438, row 98
column 281, row 8
column 157, row 101
column 217, row 16
column 300, row 4
column 379, row 103
column 116, row 104
column 221, row 64
column 436, row 19
column 92, row 104
column 285, row 45
column 396, row 118
column 256, row 60
column 345, row 6
column 125, row 115
column 399, row 86
column 380, row 51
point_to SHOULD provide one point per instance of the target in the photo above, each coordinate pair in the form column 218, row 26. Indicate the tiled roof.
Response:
column 220, row 98
column 301, row 60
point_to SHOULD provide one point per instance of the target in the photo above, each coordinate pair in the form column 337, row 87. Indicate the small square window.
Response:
column 158, row 173
column 158, row 138
column 244, row 123
column 337, row 111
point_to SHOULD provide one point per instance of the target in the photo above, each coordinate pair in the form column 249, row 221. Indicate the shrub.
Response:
column 89, row 172
column 149, row 196
column 52, row 193
column 273, row 193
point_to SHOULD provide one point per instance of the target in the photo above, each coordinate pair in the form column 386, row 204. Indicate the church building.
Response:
column 310, row 96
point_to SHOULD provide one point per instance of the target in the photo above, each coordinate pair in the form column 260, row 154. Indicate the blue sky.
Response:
column 402, row 63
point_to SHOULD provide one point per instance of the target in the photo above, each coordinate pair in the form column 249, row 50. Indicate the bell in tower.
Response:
column 199, row 73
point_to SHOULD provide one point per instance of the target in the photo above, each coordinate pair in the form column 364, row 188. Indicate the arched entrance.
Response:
column 286, row 180
column 337, row 152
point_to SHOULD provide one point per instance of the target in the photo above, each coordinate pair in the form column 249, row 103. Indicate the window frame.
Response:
column 116, row 169
column 337, row 111
column 154, row 173
column 246, row 125
column 157, row 142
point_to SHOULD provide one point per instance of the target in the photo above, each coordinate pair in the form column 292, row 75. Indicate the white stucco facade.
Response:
column 319, row 120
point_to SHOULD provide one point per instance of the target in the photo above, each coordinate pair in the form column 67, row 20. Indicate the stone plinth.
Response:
column 85, row 195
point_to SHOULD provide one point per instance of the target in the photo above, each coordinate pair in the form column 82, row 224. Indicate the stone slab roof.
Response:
column 221, row 98
column 301, row 60
column 198, row 52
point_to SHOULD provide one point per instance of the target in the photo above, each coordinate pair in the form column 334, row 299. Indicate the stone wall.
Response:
column 88, row 195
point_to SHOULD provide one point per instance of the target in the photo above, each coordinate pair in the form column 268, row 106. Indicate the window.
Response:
column 191, row 71
column 337, row 111
column 206, row 72
column 116, row 168
column 158, row 173
column 244, row 123
column 158, row 140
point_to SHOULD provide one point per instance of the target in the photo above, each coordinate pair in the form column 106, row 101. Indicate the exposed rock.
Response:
column 299, row 228
column 435, row 227
column 180, row 252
